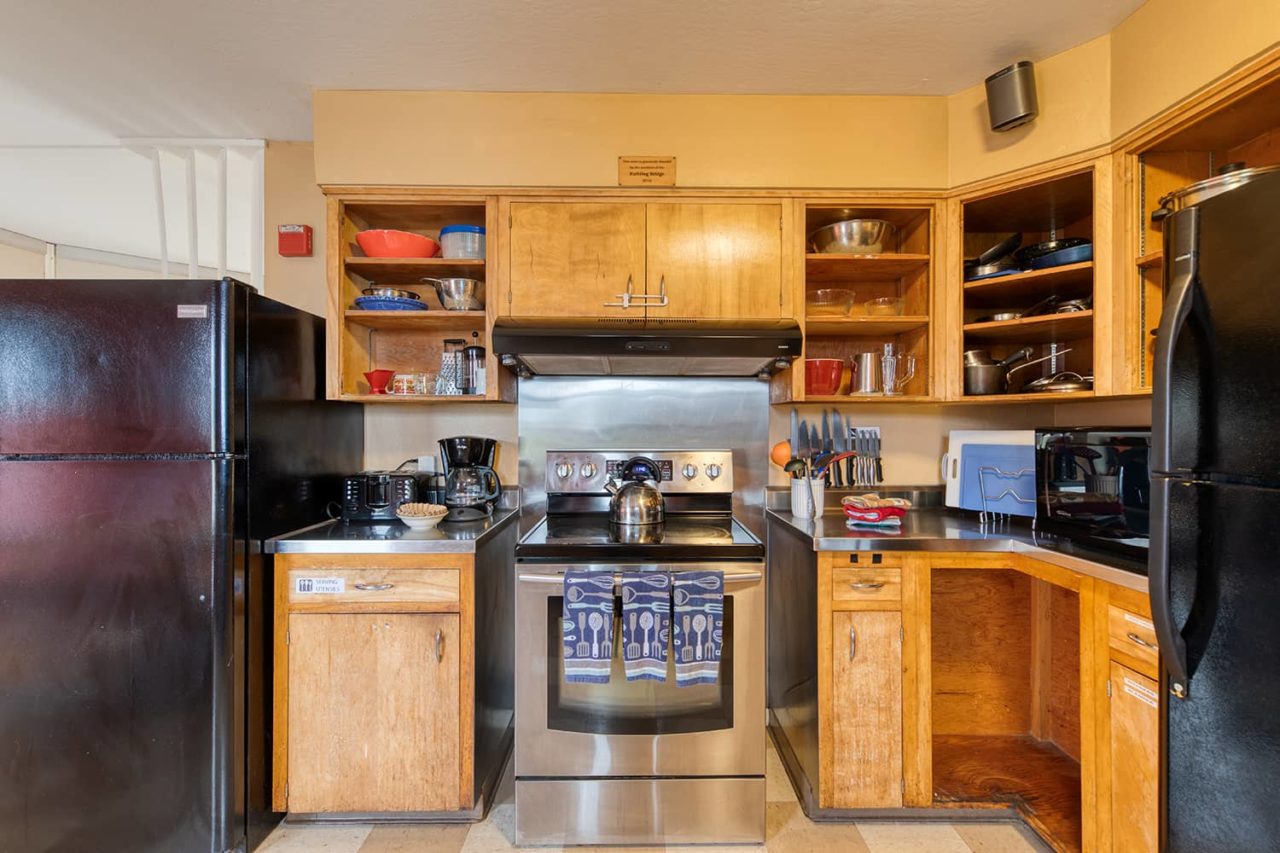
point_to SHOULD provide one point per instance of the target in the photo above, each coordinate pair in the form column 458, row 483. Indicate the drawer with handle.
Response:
column 852, row 589
column 369, row 589
column 1133, row 635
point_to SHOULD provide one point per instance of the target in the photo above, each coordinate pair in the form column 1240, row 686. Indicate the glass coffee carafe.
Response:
column 892, row 373
column 471, row 484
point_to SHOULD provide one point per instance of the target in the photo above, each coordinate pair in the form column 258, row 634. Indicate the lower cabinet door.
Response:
column 1135, row 739
column 373, row 712
column 866, row 663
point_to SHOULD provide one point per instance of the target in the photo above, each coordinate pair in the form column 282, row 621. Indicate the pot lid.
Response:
column 1210, row 187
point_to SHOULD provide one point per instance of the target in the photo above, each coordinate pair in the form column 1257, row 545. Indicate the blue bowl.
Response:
column 1070, row 255
column 389, row 303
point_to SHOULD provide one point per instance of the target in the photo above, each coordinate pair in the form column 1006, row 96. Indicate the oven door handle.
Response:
column 551, row 577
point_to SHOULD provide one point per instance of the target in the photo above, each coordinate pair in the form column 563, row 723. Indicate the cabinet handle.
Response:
column 439, row 645
column 374, row 587
column 1144, row 643
column 853, row 642
column 624, row 299
column 663, row 301
column 867, row 585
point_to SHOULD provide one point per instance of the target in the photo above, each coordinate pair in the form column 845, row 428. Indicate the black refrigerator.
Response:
column 1215, row 533
column 152, row 434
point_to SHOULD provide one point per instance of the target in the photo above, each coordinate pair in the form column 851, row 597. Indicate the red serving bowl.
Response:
column 822, row 375
column 386, row 243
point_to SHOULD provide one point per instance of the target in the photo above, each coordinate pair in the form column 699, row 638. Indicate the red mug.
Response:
column 378, row 380
column 822, row 376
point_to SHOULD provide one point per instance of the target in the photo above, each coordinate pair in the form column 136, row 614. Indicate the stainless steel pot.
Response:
column 635, row 496
column 1229, row 177
column 983, row 375
column 1059, row 383
column 380, row 292
column 458, row 294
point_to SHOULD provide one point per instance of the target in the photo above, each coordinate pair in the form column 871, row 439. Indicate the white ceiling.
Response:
column 246, row 68
column 87, row 72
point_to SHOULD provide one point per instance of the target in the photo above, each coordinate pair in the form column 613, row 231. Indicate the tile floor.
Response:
column 788, row 831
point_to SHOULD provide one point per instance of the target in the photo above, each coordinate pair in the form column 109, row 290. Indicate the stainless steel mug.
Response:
column 866, row 373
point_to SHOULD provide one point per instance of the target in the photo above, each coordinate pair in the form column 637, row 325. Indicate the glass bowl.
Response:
column 885, row 306
column 829, row 302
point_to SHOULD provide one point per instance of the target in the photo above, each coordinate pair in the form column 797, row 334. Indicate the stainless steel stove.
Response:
column 642, row 762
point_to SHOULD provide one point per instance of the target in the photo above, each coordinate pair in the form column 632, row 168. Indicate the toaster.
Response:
column 376, row 495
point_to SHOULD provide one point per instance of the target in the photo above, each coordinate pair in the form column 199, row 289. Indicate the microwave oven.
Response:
column 1093, row 486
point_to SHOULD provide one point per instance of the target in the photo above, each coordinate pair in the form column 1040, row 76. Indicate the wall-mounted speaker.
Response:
column 1011, row 96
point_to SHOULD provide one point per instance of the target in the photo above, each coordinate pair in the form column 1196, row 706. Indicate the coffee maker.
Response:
column 471, row 485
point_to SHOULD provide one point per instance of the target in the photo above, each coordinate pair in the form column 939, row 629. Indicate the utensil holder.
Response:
column 802, row 506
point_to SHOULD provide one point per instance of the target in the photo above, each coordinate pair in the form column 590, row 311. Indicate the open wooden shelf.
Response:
column 418, row 398
column 863, row 325
column 1151, row 259
column 1042, row 397
column 1035, row 777
column 412, row 270
column 837, row 267
column 1032, row 330
column 461, row 321
column 1069, row 281
column 858, row 399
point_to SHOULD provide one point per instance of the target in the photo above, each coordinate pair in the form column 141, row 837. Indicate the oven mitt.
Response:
column 646, row 624
column 887, row 516
column 699, row 626
column 588, row 626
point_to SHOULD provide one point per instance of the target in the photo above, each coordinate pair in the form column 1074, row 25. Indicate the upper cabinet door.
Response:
column 715, row 261
column 574, row 259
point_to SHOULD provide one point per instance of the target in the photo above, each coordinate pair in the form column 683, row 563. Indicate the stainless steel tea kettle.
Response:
column 635, row 496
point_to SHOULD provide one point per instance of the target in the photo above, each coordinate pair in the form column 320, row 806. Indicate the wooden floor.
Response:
column 789, row 831
column 1042, row 781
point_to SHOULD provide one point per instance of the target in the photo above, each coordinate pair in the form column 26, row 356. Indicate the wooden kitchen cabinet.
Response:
column 573, row 260
column 866, row 693
column 714, row 261
column 1132, row 749
column 373, row 712
column 685, row 260
column 374, row 683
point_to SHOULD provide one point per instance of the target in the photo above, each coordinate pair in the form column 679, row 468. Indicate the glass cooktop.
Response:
column 683, row 537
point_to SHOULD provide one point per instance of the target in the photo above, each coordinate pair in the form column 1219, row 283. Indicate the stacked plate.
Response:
column 389, row 299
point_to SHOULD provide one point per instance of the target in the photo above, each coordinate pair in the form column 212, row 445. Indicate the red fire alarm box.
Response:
column 295, row 241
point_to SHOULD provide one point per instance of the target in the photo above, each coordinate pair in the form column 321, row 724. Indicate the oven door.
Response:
column 638, row 728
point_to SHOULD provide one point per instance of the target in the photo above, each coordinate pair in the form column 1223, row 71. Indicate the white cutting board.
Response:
column 956, row 441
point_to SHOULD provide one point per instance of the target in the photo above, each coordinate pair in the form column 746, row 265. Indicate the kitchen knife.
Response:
column 801, row 450
column 815, row 447
column 826, row 442
column 879, row 461
column 794, row 435
column 847, row 431
column 838, row 445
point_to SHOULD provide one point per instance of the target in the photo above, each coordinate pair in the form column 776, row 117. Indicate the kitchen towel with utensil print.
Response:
column 588, row 626
column 699, row 626
column 646, row 624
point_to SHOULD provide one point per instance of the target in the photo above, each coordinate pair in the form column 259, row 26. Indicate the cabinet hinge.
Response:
column 1108, row 688
column 286, row 792
column 902, row 634
column 508, row 218
column 286, row 638
column 902, row 785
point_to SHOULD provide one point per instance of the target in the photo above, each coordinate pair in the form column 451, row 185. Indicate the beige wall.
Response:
column 1168, row 49
column 1072, row 88
column 20, row 263
column 395, row 433
column 292, row 197
column 489, row 139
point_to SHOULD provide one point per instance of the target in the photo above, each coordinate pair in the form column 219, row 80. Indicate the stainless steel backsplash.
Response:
column 610, row 412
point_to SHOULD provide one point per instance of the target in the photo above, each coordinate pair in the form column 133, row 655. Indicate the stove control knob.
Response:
column 588, row 470
column 564, row 469
column 713, row 470
column 689, row 470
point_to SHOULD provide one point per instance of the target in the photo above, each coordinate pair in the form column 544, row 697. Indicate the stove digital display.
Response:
column 613, row 468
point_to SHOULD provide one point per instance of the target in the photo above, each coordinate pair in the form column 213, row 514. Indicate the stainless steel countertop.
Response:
column 946, row 530
column 334, row 537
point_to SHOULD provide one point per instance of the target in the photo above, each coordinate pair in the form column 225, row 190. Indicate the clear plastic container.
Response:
column 885, row 306
column 830, row 302
column 462, row 241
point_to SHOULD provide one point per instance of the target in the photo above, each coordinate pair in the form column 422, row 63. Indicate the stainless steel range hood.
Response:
column 639, row 350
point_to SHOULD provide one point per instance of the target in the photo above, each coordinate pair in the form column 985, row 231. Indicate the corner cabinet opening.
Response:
column 407, row 341
column 1006, row 698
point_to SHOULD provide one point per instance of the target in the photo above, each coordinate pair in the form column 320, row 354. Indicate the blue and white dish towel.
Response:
column 588, row 626
column 646, row 624
column 699, row 626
